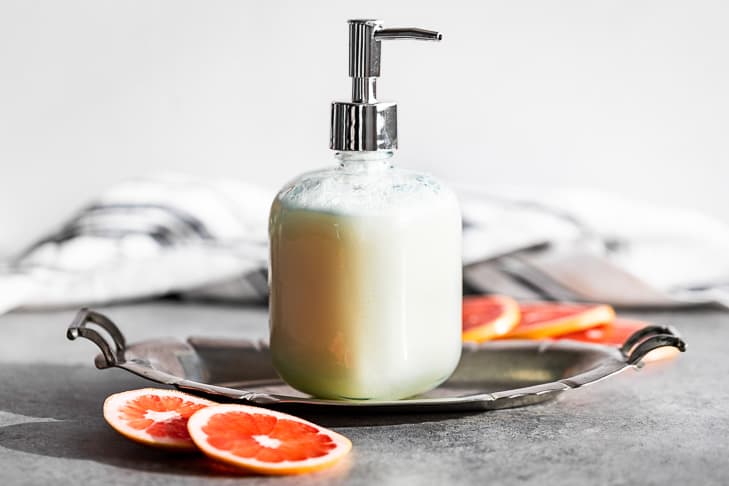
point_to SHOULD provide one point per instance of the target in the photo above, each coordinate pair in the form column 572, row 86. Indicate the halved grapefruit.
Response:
column 154, row 416
column 545, row 319
column 265, row 441
column 616, row 333
column 488, row 317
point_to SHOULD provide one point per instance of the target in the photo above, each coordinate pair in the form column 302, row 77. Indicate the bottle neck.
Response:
column 365, row 161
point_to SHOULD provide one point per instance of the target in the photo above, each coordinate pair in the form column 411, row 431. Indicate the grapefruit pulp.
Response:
column 616, row 333
column 541, row 320
column 153, row 416
column 265, row 441
column 488, row 317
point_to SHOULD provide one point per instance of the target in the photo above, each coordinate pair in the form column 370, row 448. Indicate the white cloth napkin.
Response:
column 174, row 234
column 668, row 248
column 145, row 238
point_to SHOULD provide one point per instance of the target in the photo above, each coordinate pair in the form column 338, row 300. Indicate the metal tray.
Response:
column 492, row 375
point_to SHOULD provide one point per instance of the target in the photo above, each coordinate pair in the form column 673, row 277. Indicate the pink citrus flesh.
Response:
column 265, row 441
column 155, row 417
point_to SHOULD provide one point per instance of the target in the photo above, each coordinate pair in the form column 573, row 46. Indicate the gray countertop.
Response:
column 666, row 424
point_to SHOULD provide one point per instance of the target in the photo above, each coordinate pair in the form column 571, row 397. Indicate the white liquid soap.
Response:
column 365, row 267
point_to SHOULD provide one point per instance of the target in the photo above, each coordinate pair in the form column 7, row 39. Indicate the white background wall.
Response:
column 626, row 95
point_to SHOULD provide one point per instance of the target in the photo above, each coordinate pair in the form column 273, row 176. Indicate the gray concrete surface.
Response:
column 666, row 424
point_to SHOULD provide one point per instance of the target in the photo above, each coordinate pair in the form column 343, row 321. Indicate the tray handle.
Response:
column 78, row 329
column 645, row 340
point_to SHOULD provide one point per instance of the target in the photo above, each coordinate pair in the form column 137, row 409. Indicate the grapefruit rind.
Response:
column 196, row 426
column 495, row 327
column 584, row 317
column 113, row 410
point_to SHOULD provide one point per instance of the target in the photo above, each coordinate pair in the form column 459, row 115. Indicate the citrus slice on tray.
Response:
column 616, row 333
column 154, row 416
column 544, row 319
column 265, row 441
column 488, row 317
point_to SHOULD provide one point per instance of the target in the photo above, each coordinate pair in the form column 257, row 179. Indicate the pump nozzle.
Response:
column 364, row 124
column 408, row 33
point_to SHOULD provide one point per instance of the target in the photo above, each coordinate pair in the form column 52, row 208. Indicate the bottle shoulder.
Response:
column 338, row 190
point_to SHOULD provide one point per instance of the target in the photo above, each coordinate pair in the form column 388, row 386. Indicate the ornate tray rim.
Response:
column 616, row 360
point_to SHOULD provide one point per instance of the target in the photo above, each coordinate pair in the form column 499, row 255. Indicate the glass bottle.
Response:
column 365, row 267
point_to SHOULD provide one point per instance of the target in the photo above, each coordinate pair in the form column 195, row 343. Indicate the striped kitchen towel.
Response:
column 145, row 238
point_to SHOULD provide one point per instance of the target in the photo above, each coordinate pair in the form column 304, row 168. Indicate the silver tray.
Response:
column 492, row 375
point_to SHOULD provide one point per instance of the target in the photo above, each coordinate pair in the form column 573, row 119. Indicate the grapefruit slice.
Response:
column 616, row 333
column 154, row 416
column 488, row 317
column 265, row 441
column 543, row 319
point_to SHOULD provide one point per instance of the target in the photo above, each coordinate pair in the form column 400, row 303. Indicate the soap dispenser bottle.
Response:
column 365, row 262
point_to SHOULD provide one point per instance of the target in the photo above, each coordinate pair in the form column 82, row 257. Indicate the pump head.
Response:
column 364, row 124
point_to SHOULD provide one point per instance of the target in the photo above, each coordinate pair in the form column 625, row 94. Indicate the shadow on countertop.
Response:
column 56, row 411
